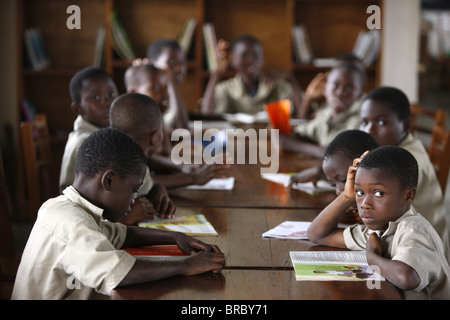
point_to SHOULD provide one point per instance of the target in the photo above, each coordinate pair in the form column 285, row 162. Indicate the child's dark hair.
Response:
column 396, row 100
column 76, row 83
column 397, row 162
column 110, row 149
column 155, row 48
column 351, row 67
column 244, row 38
column 135, row 114
column 351, row 143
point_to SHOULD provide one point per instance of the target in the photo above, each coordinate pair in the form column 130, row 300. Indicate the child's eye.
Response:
column 381, row 122
column 363, row 123
column 379, row 193
column 359, row 193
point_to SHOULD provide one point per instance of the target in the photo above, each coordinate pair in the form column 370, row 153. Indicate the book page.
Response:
column 328, row 257
column 193, row 225
column 289, row 230
column 215, row 184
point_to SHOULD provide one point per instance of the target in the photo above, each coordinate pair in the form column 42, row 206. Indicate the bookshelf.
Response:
column 332, row 27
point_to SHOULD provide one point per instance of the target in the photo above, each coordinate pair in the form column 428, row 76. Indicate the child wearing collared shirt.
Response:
column 74, row 249
column 400, row 242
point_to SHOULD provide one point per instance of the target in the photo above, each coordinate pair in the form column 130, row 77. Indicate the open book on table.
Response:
column 215, row 184
column 294, row 230
column 193, row 225
column 332, row 266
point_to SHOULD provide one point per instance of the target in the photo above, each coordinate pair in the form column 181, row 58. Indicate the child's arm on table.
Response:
column 324, row 229
column 396, row 272
column 204, row 257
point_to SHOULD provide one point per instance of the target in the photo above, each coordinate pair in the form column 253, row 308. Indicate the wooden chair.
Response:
column 7, row 254
column 37, row 156
column 433, row 118
column 439, row 153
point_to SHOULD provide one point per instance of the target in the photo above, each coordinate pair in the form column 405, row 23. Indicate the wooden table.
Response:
column 257, row 268
column 252, row 191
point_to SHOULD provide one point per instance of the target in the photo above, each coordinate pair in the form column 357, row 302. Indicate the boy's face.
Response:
column 247, row 59
column 155, row 86
column 342, row 89
column 335, row 168
column 96, row 96
column 380, row 198
column 173, row 59
column 122, row 191
column 382, row 123
column 152, row 142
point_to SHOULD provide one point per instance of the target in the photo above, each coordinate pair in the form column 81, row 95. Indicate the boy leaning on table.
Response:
column 405, row 247
column 73, row 251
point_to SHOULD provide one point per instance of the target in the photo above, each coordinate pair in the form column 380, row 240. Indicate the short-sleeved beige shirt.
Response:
column 429, row 200
column 230, row 96
column 324, row 127
column 412, row 240
column 81, row 130
column 72, row 252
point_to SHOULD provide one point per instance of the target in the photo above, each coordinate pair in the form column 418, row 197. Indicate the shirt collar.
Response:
column 73, row 195
column 81, row 124
column 392, row 226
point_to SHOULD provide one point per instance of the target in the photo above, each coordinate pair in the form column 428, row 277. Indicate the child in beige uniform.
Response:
column 400, row 242
column 73, row 251
column 385, row 114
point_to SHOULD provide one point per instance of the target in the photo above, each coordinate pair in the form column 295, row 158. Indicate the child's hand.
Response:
column 141, row 210
column 207, row 172
column 223, row 59
column 191, row 245
column 310, row 174
column 164, row 207
column 203, row 262
column 374, row 244
column 316, row 87
column 349, row 191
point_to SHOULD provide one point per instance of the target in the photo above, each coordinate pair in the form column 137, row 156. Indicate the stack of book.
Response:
column 367, row 46
column 36, row 52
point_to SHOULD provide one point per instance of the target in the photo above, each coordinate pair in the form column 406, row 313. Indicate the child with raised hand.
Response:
column 151, row 81
column 250, row 89
column 385, row 114
column 74, row 250
column 399, row 241
column 167, row 55
column 343, row 91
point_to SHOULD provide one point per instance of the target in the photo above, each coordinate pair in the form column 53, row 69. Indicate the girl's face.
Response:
column 380, row 198
column 247, row 59
column 342, row 89
column 383, row 124
column 122, row 191
column 96, row 97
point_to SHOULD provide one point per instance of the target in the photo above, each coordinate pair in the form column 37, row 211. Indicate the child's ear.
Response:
column 108, row 179
column 76, row 107
column 409, row 196
column 407, row 124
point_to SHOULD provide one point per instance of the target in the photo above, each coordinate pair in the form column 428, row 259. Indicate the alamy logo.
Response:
column 229, row 146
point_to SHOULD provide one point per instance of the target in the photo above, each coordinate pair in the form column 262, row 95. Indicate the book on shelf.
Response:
column 193, row 225
column 99, row 48
column 302, row 45
column 367, row 46
column 289, row 230
column 186, row 35
column 29, row 111
column 279, row 113
column 332, row 266
column 157, row 253
column 36, row 52
column 120, row 40
column 319, row 187
column 209, row 35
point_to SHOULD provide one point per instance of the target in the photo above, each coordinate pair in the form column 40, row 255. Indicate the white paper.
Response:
column 215, row 184
column 289, row 230
column 309, row 187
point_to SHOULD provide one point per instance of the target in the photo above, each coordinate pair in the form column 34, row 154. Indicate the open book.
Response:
column 158, row 253
column 332, row 265
column 193, row 225
column 295, row 230
column 308, row 187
